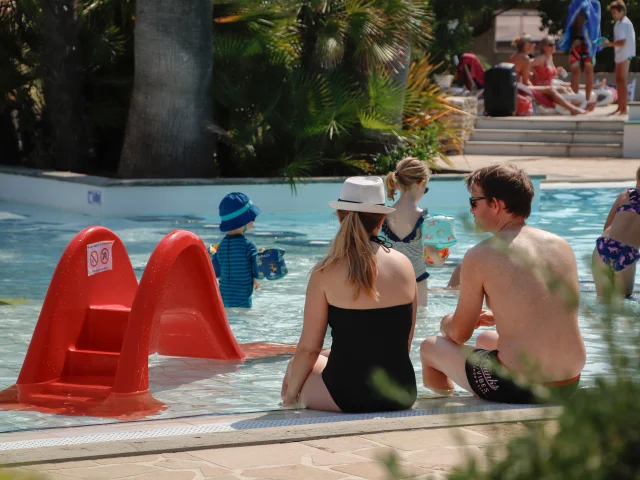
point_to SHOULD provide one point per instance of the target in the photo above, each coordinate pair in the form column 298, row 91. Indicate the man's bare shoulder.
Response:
column 547, row 237
column 483, row 253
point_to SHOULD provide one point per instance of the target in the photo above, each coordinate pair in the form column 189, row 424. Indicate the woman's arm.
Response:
column 538, row 61
column 526, row 73
column 413, row 321
column 314, row 329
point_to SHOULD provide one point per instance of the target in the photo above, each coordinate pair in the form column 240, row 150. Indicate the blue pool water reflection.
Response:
column 33, row 238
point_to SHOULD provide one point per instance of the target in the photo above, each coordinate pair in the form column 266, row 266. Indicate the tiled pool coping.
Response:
column 186, row 434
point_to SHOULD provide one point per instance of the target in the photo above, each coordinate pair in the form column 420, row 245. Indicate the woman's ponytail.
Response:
column 391, row 183
column 352, row 244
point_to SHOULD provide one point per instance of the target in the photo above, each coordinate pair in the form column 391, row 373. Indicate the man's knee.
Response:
column 428, row 348
column 487, row 340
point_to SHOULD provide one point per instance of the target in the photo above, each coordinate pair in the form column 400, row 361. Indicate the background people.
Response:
column 580, row 39
column 625, row 50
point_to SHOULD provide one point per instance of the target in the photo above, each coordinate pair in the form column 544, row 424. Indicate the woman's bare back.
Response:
column 625, row 227
column 403, row 221
column 395, row 283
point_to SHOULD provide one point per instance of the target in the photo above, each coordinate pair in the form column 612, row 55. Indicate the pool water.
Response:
column 33, row 238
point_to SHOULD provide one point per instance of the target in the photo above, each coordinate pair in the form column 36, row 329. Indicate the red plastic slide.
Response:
column 89, row 351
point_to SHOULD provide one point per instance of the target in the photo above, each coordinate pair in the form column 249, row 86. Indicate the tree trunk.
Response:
column 401, row 75
column 167, row 133
column 63, row 84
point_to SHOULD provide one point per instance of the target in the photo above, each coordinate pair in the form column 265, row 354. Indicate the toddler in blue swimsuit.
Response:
column 236, row 267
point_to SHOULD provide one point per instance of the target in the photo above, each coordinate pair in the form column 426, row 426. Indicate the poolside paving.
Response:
column 424, row 453
column 558, row 169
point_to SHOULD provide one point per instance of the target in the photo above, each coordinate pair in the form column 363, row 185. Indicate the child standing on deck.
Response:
column 237, row 270
column 403, row 227
column 624, row 43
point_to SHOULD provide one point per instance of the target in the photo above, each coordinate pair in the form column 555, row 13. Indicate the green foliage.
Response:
column 4, row 475
column 301, row 87
column 310, row 87
column 106, row 40
column 458, row 22
column 423, row 144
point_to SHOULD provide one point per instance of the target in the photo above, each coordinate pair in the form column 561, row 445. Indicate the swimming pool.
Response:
column 33, row 238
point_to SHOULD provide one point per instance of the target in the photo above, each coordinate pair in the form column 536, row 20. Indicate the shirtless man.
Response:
column 537, row 333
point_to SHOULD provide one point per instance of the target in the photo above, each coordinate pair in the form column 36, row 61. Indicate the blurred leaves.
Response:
column 106, row 39
column 310, row 87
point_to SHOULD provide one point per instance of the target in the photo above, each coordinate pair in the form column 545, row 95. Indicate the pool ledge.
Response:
column 199, row 433
column 100, row 196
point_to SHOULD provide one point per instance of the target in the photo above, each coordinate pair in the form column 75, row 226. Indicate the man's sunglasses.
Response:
column 474, row 200
column 426, row 190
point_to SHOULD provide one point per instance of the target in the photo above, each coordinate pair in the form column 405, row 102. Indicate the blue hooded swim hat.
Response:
column 236, row 211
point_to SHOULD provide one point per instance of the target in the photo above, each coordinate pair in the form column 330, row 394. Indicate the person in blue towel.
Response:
column 236, row 267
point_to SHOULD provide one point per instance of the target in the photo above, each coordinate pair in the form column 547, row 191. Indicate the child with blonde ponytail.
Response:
column 403, row 227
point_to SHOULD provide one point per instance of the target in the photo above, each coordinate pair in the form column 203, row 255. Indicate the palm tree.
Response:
column 167, row 132
column 63, row 83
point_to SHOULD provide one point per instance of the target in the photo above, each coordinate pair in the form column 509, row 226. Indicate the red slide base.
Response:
column 119, row 407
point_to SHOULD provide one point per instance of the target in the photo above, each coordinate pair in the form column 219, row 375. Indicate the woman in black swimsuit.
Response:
column 367, row 293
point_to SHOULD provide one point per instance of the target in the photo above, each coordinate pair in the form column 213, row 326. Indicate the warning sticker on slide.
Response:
column 99, row 257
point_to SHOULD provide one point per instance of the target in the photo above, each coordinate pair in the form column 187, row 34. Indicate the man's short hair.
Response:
column 507, row 183
column 619, row 6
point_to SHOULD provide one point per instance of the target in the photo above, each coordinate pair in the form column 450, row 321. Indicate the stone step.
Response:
column 549, row 123
column 539, row 149
column 547, row 136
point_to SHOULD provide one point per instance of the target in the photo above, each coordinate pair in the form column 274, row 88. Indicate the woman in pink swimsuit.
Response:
column 544, row 69
column 544, row 95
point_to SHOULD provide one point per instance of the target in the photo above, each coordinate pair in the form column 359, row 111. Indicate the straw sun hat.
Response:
column 362, row 194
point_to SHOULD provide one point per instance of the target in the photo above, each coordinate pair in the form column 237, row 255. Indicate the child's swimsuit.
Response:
column 411, row 246
column 236, row 270
column 369, row 369
column 490, row 380
column 614, row 253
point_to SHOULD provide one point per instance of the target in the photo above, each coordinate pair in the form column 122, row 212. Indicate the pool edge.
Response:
column 264, row 436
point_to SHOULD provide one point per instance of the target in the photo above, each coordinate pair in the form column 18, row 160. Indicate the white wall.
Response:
column 117, row 200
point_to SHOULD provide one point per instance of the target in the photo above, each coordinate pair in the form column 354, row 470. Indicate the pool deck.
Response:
column 304, row 444
column 559, row 169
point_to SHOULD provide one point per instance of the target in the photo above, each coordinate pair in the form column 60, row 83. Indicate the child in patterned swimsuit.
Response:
column 403, row 228
column 617, row 248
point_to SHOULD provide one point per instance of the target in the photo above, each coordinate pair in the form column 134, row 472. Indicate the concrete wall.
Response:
column 183, row 197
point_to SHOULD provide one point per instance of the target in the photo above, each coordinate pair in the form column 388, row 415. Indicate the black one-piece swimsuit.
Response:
column 369, row 369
